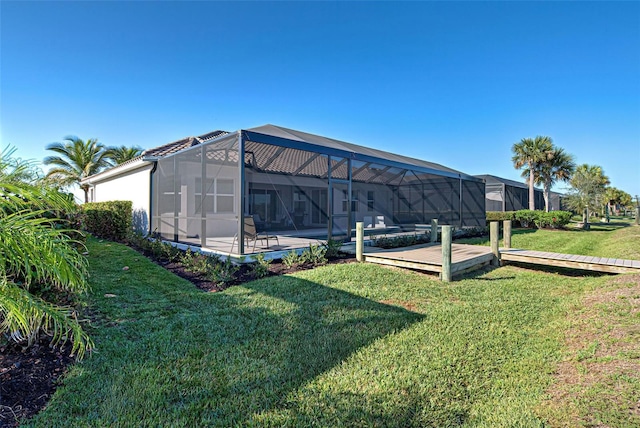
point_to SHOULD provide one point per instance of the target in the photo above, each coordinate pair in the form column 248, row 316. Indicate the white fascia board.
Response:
column 116, row 171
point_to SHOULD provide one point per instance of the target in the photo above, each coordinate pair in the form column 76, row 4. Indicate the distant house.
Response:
column 508, row 195
column 293, row 187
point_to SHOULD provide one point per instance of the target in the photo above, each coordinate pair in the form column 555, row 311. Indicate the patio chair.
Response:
column 252, row 234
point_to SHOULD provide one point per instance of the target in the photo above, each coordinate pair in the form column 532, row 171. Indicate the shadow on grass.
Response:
column 322, row 329
column 571, row 272
column 170, row 355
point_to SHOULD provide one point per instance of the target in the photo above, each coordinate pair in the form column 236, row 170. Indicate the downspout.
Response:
column 504, row 197
column 153, row 170
column 241, row 204
column 460, row 202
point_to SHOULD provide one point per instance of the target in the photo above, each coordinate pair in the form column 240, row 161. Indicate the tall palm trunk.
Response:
column 532, row 192
column 547, row 196
column 86, row 193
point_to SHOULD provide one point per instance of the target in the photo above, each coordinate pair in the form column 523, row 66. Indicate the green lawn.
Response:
column 340, row 345
column 613, row 240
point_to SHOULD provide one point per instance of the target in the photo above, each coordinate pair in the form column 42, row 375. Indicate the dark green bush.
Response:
column 500, row 215
column 527, row 218
column 401, row 241
column 109, row 220
column 554, row 219
column 541, row 219
column 333, row 248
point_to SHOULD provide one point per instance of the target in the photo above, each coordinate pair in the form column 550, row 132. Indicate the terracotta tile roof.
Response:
column 176, row 146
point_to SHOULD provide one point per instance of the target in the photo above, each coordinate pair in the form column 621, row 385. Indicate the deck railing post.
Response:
column 445, row 276
column 359, row 241
column 494, row 233
column 434, row 230
column 507, row 233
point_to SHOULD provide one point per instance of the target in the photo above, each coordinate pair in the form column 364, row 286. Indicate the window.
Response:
column 219, row 196
column 354, row 201
column 371, row 200
column 224, row 195
column 208, row 200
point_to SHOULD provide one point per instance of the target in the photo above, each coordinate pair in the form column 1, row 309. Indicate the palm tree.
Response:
column 558, row 167
column 529, row 154
column 77, row 160
column 123, row 153
column 38, row 259
column 588, row 187
column 616, row 197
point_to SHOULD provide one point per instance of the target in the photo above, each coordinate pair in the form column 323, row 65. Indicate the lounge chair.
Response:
column 251, row 234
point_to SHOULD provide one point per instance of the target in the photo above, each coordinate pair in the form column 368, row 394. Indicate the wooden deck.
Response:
column 598, row 264
column 464, row 258
column 428, row 257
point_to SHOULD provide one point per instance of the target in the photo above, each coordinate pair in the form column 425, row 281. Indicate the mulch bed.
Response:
column 244, row 274
column 28, row 378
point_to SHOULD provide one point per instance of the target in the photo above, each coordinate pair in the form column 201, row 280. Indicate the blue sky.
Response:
column 452, row 83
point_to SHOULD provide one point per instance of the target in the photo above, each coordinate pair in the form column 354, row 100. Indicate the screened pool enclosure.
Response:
column 271, row 188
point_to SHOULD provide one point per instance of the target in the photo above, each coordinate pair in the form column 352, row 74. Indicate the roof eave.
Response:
column 116, row 170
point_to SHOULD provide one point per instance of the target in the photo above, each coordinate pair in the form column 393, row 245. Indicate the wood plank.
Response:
column 466, row 264
column 402, row 263
column 570, row 264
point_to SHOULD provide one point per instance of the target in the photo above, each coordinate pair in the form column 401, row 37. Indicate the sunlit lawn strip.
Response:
column 341, row 345
column 614, row 240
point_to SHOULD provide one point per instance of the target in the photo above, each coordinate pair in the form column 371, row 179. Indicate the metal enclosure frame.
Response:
column 404, row 192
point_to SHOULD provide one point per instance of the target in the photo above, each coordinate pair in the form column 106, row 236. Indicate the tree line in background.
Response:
column 76, row 159
column 545, row 164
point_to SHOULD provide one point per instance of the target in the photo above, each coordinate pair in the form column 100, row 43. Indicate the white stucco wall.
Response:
column 131, row 186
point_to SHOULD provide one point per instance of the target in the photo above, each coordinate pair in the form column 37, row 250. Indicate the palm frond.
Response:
column 23, row 316
column 35, row 252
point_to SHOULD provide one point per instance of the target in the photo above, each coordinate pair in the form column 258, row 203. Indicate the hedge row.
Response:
column 528, row 218
column 109, row 220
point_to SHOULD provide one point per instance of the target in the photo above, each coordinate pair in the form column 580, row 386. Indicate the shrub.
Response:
column 554, row 219
column 109, row 220
column 526, row 217
column 500, row 215
column 542, row 219
column 470, row 232
column 197, row 262
column 290, row 259
column 314, row 255
column 139, row 241
column 332, row 248
column 401, row 241
column 222, row 273
column 260, row 268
